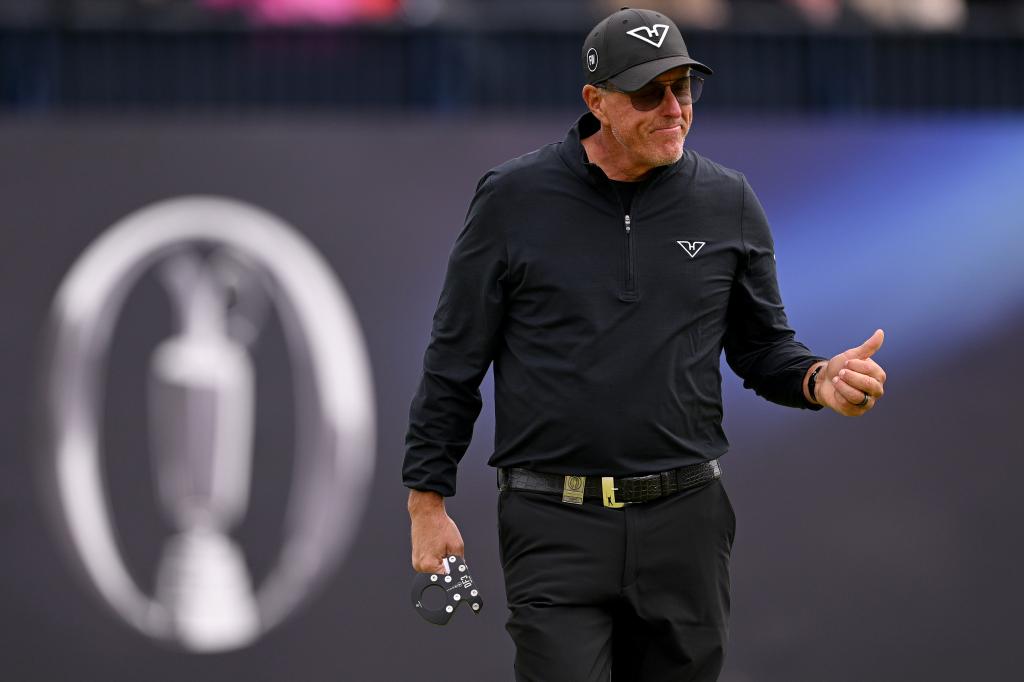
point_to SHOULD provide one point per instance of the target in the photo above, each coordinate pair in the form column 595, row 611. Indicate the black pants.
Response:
column 631, row 594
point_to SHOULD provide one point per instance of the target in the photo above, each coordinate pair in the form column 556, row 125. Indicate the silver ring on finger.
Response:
column 864, row 403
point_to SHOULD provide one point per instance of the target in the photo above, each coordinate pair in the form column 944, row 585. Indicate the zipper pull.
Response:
column 627, row 223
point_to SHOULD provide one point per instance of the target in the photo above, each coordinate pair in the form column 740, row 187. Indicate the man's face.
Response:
column 649, row 138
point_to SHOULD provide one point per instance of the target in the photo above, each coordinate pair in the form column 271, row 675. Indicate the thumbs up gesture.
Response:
column 852, row 383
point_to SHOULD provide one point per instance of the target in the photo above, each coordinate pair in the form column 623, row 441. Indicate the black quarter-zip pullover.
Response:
column 605, row 328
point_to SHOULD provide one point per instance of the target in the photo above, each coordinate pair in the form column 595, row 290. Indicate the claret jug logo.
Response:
column 218, row 261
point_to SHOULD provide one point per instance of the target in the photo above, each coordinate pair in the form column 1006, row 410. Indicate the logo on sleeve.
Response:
column 691, row 247
column 658, row 31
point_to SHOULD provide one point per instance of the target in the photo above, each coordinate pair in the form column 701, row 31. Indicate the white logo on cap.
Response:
column 658, row 31
column 592, row 60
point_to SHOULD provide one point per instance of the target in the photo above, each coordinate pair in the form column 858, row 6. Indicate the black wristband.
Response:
column 810, row 384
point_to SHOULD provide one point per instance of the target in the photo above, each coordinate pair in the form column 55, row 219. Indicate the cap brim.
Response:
column 640, row 75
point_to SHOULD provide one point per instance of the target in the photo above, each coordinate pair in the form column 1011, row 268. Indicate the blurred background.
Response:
column 885, row 139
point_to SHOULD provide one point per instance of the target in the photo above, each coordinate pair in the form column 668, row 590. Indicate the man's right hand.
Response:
column 434, row 535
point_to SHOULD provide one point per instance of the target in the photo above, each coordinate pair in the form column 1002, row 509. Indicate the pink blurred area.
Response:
column 308, row 11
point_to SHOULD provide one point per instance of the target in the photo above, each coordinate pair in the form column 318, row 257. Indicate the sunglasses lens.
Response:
column 696, row 86
column 681, row 90
column 647, row 99
column 686, row 91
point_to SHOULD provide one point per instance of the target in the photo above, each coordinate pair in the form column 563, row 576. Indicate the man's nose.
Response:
column 674, row 108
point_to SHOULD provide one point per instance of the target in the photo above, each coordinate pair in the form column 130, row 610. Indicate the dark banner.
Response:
column 213, row 331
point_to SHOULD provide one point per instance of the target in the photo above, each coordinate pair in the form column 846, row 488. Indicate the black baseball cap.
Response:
column 633, row 46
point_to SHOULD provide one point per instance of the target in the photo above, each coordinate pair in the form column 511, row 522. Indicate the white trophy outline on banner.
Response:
column 201, row 403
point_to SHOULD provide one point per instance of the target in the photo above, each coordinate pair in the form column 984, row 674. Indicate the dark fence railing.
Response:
column 454, row 70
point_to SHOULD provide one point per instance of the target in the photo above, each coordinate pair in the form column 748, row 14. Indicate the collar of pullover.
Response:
column 575, row 155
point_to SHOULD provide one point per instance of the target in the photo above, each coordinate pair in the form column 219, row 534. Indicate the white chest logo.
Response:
column 658, row 31
column 691, row 247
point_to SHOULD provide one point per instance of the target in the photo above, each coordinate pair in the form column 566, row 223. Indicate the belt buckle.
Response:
column 608, row 493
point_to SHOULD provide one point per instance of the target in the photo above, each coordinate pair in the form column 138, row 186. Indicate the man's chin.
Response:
column 668, row 157
column 669, row 151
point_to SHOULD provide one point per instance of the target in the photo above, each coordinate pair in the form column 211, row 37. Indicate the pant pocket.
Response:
column 730, row 512
column 501, row 527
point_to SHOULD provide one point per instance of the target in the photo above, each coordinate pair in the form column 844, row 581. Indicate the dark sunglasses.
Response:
column 686, row 90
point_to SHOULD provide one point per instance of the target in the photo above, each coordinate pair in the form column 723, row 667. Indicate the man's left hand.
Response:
column 852, row 383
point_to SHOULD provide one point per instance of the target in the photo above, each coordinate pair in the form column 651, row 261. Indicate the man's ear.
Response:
column 594, row 99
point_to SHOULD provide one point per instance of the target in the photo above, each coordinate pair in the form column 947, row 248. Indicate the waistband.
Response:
column 612, row 491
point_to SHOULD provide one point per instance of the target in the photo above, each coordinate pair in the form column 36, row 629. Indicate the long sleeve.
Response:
column 469, row 313
column 759, row 344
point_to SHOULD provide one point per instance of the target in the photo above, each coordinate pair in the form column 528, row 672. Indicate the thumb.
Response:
column 869, row 347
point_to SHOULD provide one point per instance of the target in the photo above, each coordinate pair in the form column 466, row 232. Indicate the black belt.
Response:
column 612, row 491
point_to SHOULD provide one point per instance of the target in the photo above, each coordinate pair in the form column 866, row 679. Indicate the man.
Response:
column 603, row 276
